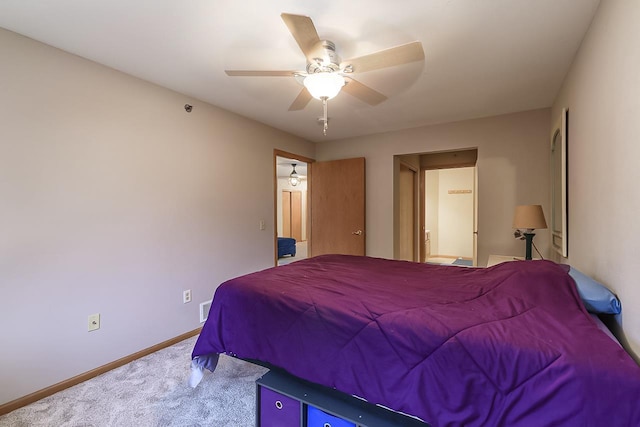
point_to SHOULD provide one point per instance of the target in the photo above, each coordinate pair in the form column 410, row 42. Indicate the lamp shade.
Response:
column 530, row 217
column 324, row 84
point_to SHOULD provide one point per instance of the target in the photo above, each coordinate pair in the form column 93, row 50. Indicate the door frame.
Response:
column 416, row 211
column 422, row 229
column 280, row 153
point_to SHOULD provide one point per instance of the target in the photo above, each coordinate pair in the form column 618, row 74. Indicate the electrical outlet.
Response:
column 262, row 224
column 186, row 296
column 94, row 322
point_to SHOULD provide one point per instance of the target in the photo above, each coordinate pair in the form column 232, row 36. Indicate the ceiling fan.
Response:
column 325, row 74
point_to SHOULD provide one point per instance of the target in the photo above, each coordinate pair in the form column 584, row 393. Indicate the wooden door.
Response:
column 407, row 208
column 286, row 214
column 338, row 207
column 296, row 215
column 292, row 214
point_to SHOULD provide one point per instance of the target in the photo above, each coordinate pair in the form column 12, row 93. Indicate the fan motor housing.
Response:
column 325, row 58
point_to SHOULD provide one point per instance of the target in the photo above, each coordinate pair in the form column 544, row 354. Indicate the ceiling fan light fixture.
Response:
column 324, row 85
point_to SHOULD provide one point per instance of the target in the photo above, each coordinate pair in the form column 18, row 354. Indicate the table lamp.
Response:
column 529, row 218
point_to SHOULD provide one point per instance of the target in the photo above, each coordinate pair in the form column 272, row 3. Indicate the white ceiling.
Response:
column 482, row 57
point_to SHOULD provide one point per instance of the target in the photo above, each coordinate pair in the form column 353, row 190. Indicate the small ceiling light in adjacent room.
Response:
column 294, row 178
column 529, row 218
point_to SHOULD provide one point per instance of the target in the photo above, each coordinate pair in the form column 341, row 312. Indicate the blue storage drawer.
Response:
column 278, row 410
column 318, row 418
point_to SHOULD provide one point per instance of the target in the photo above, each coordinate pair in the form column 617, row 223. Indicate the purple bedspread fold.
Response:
column 510, row 345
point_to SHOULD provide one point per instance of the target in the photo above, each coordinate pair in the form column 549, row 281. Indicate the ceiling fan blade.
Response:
column 303, row 30
column 260, row 73
column 393, row 56
column 363, row 92
column 301, row 100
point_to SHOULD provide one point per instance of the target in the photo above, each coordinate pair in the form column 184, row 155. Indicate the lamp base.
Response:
column 528, row 237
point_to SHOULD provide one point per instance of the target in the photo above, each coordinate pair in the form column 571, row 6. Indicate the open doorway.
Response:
column 449, row 208
column 292, row 207
column 436, row 216
column 449, row 216
column 336, row 222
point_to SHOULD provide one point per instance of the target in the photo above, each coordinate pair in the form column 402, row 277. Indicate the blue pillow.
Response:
column 595, row 296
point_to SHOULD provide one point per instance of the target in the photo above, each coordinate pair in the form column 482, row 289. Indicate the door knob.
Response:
column 357, row 233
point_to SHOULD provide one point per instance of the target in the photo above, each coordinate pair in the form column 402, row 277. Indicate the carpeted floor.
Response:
column 151, row 391
column 450, row 261
column 465, row 262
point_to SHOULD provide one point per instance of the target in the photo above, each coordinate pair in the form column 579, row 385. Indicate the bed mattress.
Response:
column 508, row 345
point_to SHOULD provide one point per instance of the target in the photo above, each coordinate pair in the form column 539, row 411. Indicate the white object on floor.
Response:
column 196, row 375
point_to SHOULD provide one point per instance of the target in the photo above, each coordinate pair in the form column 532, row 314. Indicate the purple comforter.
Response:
column 510, row 345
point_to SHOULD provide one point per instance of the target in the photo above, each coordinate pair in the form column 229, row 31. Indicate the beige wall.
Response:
column 513, row 169
column 602, row 93
column 113, row 200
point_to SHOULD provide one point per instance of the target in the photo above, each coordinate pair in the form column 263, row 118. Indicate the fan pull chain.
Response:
column 326, row 118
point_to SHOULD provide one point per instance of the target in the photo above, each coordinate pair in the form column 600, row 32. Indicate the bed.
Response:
column 508, row 345
column 286, row 246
